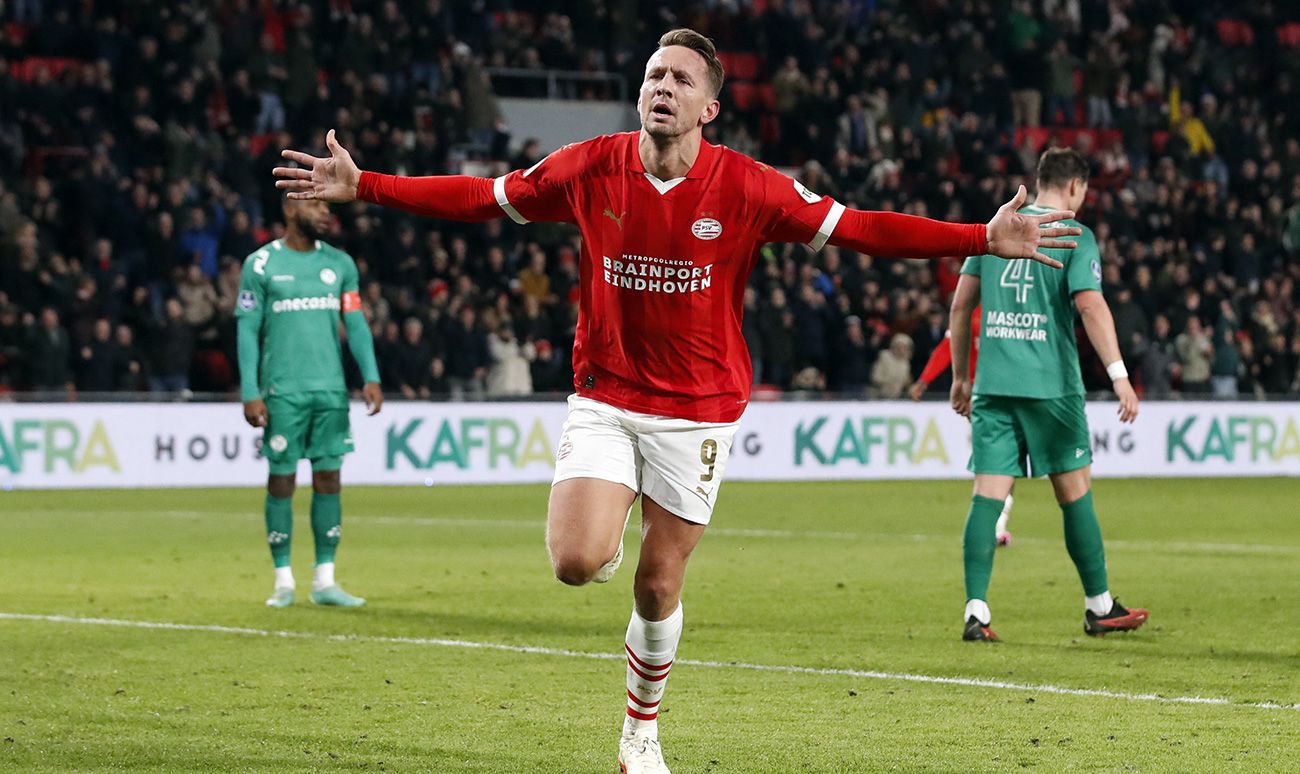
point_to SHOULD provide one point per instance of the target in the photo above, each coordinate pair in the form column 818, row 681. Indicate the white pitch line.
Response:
column 968, row 682
column 1246, row 549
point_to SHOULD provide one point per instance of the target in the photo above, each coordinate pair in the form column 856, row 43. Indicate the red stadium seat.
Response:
column 744, row 95
column 17, row 32
column 741, row 65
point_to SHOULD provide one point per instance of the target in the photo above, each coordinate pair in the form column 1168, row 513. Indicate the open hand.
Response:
column 1012, row 235
column 1128, row 400
column 332, row 179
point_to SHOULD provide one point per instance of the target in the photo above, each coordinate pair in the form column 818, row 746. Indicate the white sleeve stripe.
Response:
column 499, row 188
column 827, row 227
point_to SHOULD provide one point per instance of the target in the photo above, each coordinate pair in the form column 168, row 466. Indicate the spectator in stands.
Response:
column 132, row 374
column 467, row 356
column 172, row 345
column 1226, row 366
column 1195, row 349
column 534, row 282
column 411, row 359
column 202, row 237
column 853, row 361
column 892, row 372
column 200, row 303
column 99, row 360
column 1061, row 66
column 50, row 355
column 510, row 372
column 1158, row 359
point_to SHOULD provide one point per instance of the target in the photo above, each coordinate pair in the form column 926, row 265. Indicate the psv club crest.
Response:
column 706, row 229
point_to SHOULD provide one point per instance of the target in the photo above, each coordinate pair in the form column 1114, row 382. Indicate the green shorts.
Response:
column 307, row 424
column 1052, row 433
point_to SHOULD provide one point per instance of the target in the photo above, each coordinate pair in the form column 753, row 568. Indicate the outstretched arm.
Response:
column 1100, row 327
column 1008, row 235
column 338, row 180
column 541, row 193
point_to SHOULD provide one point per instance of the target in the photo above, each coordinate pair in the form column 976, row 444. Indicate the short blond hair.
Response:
column 688, row 38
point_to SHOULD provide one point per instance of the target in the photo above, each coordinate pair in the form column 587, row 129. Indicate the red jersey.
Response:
column 664, row 262
column 664, row 266
column 941, row 357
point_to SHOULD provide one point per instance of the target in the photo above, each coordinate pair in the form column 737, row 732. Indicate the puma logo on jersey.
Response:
column 618, row 219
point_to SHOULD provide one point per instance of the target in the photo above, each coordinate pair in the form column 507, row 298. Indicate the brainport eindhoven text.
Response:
column 657, row 275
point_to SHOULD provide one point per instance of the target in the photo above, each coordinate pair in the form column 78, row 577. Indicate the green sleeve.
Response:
column 360, row 342
column 972, row 265
column 1083, row 271
column 248, row 313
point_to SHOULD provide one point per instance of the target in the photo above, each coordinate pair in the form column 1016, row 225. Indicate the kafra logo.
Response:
column 891, row 440
column 328, row 276
column 467, row 442
column 279, row 443
column 1233, row 438
column 706, row 229
column 48, row 445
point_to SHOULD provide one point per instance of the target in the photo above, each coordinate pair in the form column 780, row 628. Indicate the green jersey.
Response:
column 293, row 301
column 1026, row 346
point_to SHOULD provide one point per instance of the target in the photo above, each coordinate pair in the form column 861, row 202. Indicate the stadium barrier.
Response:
column 53, row 445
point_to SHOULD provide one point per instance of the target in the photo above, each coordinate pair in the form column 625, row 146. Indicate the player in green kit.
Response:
column 292, row 292
column 1028, row 396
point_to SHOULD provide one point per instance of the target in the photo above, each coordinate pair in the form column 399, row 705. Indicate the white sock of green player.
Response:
column 284, row 578
column 1099, row 604
column 651, row 647
column 1001, row 527
column 323, row 577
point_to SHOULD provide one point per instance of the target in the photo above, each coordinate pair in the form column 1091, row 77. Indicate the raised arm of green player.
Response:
column 248, row 313
column 964, row 302
column 360, row 342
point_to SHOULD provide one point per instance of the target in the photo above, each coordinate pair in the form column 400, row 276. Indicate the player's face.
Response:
column 309, row 216
column 676, row 96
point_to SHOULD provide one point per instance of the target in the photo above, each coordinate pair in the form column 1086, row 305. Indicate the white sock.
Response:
column 651, row 647
column 284, row 577
column 978, row 608
column 324, row 577
column 1100, row 604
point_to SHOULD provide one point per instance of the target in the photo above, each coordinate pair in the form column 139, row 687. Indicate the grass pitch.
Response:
column 846, row 589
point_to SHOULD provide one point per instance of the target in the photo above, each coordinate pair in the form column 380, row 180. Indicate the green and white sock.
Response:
column 978, row 546
column 1083, row 542
column 279, row 528
column 326, row 527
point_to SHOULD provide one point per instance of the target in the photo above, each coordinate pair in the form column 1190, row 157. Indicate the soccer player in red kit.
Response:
column 671, row 227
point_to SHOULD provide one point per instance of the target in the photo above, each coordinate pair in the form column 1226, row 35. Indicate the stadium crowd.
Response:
column 136, row 141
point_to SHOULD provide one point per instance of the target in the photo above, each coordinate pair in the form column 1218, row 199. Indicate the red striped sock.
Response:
column 651, row 647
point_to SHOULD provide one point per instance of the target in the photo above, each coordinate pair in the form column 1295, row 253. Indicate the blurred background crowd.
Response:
column 137, row 136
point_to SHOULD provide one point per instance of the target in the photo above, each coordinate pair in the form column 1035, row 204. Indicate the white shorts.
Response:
column 677, row 463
